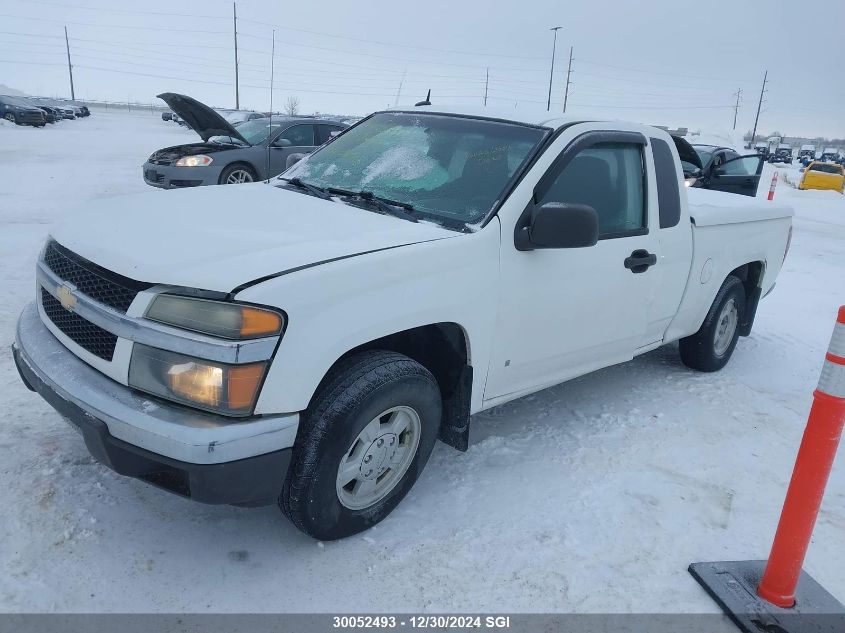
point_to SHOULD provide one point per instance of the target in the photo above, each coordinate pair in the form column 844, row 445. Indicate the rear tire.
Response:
column 361, row 444
column 711, row 347
column 9, row 117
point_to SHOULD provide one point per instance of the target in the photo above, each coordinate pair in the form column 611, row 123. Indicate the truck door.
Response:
column 567, row 311
column 739, row 175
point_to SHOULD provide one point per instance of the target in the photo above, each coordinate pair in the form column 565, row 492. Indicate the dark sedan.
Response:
column 20, row 111
column 231, row 154
column 719, row 168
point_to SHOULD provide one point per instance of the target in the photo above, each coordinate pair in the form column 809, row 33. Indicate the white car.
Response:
column 308, row 342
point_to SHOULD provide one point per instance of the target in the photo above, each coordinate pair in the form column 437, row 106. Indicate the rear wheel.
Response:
column 237, row 174
column 9, row 117
column 362, row 444
column 711, row 347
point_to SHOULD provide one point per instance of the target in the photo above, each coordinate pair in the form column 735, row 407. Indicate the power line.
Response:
column 112, row 26
column 392, row 58
column 655, row 72
column 129, row 11
column 649, row 107
column 397, row 44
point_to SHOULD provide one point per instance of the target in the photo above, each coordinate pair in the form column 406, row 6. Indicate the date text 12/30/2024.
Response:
column 421, row 622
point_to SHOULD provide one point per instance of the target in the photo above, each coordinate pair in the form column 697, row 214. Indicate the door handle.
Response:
column 640, row 261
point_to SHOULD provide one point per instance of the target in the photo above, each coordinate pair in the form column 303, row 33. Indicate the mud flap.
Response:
column 454, row 428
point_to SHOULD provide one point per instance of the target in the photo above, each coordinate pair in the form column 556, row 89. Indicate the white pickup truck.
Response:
column 307, row 341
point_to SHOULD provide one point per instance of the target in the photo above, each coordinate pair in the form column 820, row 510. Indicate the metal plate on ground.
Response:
column 733, row 585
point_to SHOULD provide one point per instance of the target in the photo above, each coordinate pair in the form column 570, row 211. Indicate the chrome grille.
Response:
column 82, row 332
column 102, row 285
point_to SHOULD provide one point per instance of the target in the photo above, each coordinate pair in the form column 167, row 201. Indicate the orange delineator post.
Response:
column 772, row 187
column 809, row 477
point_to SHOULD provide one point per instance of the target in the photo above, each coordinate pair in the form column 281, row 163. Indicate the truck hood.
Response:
column 219, row 238
column 199, row 117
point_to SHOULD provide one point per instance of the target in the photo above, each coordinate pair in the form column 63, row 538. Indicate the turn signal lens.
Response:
column 256, row 322
column 243, row 385
column 215, row 318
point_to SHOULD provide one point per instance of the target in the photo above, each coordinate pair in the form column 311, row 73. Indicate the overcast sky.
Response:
column 659, row 62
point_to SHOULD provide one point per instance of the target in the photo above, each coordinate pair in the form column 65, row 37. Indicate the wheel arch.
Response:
column 444, row 349
column 751, row 275
column 241, row 162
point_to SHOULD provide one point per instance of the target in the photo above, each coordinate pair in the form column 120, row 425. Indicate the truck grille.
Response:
column 82, row 332
column 113, row 290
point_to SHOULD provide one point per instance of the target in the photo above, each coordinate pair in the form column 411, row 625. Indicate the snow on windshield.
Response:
column 401, row 163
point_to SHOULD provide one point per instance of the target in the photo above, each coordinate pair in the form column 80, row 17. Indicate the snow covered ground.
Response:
column 592, row 496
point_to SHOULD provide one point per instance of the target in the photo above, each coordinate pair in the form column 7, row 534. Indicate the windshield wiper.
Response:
column 319, row 192
column 385, row 205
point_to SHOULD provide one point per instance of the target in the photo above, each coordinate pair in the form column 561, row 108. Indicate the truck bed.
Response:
column 757, row 235
column 708, row 208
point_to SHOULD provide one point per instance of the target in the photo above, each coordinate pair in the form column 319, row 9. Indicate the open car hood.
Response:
column 199, row 117
column 686, row 152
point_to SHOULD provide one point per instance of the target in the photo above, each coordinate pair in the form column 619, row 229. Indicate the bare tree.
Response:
column 292, row 105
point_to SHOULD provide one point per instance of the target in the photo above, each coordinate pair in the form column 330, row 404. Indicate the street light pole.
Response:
column 552, row 71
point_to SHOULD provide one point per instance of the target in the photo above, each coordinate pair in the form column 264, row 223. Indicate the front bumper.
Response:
column 206, row 457
column 172, row 177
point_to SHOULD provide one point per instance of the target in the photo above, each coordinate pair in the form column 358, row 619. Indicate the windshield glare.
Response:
column 255, row 131
column 445, row 166
column 704, row 155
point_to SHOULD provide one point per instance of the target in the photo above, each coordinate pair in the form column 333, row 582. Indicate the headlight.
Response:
column 226, row 389
column 200, row 160
column 215, row 318
column 689, row 182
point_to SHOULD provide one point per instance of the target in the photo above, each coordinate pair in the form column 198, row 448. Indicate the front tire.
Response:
column 10, row 117
column 711, row 347
column 237, row 174
column 361, row 444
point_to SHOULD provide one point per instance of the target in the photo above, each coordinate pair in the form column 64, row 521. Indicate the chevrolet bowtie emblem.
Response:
column 66, row 298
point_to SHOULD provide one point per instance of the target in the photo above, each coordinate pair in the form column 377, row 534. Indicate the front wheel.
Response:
column 237, row 175
column 711, row 347
column 9, row 117
column 361, row 444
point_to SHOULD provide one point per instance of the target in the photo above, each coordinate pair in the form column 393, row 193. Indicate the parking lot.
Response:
column 592, row 496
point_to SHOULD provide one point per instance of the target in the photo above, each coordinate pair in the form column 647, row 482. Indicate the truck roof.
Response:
column 527, row 116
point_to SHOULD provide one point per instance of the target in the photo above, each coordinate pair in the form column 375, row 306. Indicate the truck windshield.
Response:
column 449, row 167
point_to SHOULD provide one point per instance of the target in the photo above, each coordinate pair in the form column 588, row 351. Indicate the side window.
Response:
column 324, row 132
column 744, row 166
column 668, row 184
column 299, row 135
column 608, row 177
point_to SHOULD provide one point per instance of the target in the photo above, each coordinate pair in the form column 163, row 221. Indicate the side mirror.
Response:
column 282, row 142
column 558, row 225
column 293, row 159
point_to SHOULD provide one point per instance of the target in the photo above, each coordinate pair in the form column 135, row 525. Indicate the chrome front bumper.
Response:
column 168, row 430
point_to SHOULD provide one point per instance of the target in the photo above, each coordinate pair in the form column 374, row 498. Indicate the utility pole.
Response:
column 399, row 91
column 759, row 105
column 486, row 83
column 568, row 73
column 552, row 71
column 235, row 23
column 69, row 67
column 738, row 95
